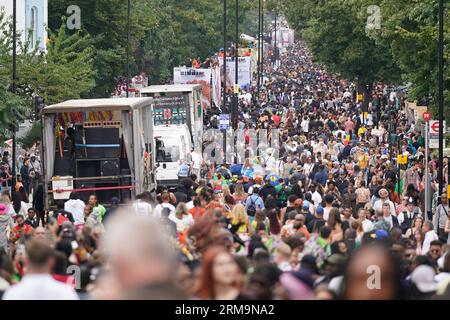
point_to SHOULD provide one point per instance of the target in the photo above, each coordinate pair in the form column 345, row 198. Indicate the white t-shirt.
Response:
column 185, row 222
column 326, row 213
column 159, row 208
column 316, row 198
column 142, row 207
column 367, row 225
column 76, row 208
column 196, row 160
column 40, row 287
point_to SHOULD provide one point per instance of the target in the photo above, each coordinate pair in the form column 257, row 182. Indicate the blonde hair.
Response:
column 226, row 191
column 181, row 208
column 239, row 190
column 239, row 214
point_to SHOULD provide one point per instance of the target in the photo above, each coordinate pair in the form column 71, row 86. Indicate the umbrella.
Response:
column 273, row 179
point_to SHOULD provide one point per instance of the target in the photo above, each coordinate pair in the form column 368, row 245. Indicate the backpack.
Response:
column 62, row 219
column 251, row 210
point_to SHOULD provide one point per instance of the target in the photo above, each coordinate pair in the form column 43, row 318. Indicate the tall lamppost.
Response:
column 128, row 45
column 235, row 115
column 441, row 98
column 259, row 48
column 14, row 88
column 224, row 88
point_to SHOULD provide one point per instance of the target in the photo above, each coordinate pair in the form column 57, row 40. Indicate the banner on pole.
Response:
column 244, row 72
column 216, row 86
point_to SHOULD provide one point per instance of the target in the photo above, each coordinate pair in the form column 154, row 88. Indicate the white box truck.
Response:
column 98, row 146
column 178, row 104
column 173, row 145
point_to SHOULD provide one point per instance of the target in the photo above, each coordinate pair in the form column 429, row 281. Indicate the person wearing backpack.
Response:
column 440, row 218
column 254, row 202
column 62, row 215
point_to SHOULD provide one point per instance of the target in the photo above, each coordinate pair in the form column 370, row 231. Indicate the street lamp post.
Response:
column 14, row 77
column 236, row 66
column 259, row 48
column 262, row 43
column 275, row 40
column 128, row 45
column 441, row 98
column 224, row 89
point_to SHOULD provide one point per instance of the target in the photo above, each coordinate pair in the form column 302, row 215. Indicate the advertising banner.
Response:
column 244, row 72
column 183, row 75
column 216, row 86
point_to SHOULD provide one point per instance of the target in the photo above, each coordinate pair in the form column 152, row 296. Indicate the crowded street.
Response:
column 296, row 185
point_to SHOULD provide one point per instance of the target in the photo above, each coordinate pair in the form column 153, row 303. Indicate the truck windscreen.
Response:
column 168, row 154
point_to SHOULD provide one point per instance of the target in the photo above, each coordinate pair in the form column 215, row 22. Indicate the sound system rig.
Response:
column 94, row 152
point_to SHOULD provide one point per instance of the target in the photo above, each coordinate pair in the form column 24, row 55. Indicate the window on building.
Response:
column 33, row 27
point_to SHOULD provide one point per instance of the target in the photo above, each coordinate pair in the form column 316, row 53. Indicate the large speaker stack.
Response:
column 94, row 152
column 99, row 156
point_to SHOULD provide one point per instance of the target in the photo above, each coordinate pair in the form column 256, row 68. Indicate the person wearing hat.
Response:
column 6, row 222
column 384, row 198
column 408, row 215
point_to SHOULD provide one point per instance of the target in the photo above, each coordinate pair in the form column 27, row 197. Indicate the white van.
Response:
column 173, row 144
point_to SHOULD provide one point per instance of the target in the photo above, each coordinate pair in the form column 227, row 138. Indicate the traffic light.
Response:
column 38, row 106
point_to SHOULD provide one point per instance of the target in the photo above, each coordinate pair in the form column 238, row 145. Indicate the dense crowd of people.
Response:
column 333, row 217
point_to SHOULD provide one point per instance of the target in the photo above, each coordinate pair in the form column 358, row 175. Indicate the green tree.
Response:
column 336, row 34
column 13, row 106
column 164, row 34
column 65, row 71
column 411, row 29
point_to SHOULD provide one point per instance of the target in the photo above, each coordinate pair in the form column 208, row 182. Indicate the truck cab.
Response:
column 173, row 145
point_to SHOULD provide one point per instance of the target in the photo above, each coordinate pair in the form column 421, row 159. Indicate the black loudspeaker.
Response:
column 110, row 167
column 63, row 167
column 97, row 136
column 102, row 135
column 125, row 194
column 88, row 168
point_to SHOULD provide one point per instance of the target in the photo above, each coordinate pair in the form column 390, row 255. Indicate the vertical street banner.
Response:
column 216, row 86
column 183, row 75
column 244, row 72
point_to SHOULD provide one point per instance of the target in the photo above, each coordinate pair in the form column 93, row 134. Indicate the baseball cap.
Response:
column 319, row 211
column 381, row 234
column 306, row 204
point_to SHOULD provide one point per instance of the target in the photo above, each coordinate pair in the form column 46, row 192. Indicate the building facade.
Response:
column 31, row 23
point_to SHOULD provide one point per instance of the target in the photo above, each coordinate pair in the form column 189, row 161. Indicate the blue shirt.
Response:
column 256, row 200
column 183, row 170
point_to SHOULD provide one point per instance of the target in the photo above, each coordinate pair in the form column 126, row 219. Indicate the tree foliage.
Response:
column 405, row 45
column 64, row 71
column 164, row 34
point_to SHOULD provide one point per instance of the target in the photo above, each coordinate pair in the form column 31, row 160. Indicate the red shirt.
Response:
column 22, row 231
column 276, row 119
column 196, row 212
